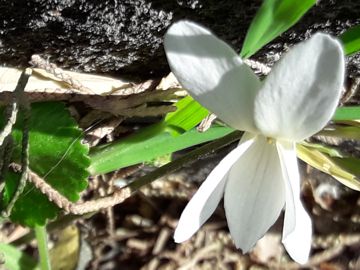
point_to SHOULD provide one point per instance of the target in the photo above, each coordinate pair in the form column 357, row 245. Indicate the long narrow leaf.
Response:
column 331, row 151
column 347, row 113
column 350, row 164
column 351, row 40
column 146, row 145
column 189, row 113
column 273, row 18
column 332, row 166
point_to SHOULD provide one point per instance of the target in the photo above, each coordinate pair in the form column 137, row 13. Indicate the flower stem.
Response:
column 41, row 237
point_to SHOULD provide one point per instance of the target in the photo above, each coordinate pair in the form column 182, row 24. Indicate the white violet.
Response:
column 260, row 176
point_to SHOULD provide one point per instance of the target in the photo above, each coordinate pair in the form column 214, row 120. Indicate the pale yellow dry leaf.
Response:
column 168, row 82
column 324, row 163
column 42, row 81
column 65, row 253
column 268, row 248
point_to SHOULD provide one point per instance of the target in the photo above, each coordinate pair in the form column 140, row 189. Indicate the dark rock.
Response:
column 124, row 37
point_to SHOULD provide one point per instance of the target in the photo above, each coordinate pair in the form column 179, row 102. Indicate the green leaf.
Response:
column 15, row 259
column 147, row 144
column 157, row 140
column 351, row 40
column 56, row 154
column 347, row 113
column 332, row 166
column 189, row 113
column 272, row 19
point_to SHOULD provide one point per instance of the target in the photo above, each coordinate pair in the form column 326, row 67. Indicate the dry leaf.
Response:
column 268, row 248
column 42, row 81
column 168, row 82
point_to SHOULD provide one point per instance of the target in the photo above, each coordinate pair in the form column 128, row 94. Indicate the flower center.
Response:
column 270, row 140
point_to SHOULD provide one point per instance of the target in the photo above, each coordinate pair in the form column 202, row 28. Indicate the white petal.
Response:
column 254, row 194
column 207, row 198
column 212, row 73
column 297, row 230
column 301, row 93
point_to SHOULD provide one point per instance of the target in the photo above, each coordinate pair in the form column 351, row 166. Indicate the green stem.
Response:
column 41, row 237
column 60, row 223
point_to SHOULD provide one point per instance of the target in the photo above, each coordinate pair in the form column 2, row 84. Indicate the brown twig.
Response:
column 206, row 122
column 25, row 107
column 122, row 194
column 74, row 208
column 39, row 62
column 258, row 67
column 12, row 109
column 351, row 91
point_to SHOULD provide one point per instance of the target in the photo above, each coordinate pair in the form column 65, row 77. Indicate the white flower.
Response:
column 261, row 175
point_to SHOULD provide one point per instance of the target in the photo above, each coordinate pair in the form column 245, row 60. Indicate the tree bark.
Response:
column 124, row 37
